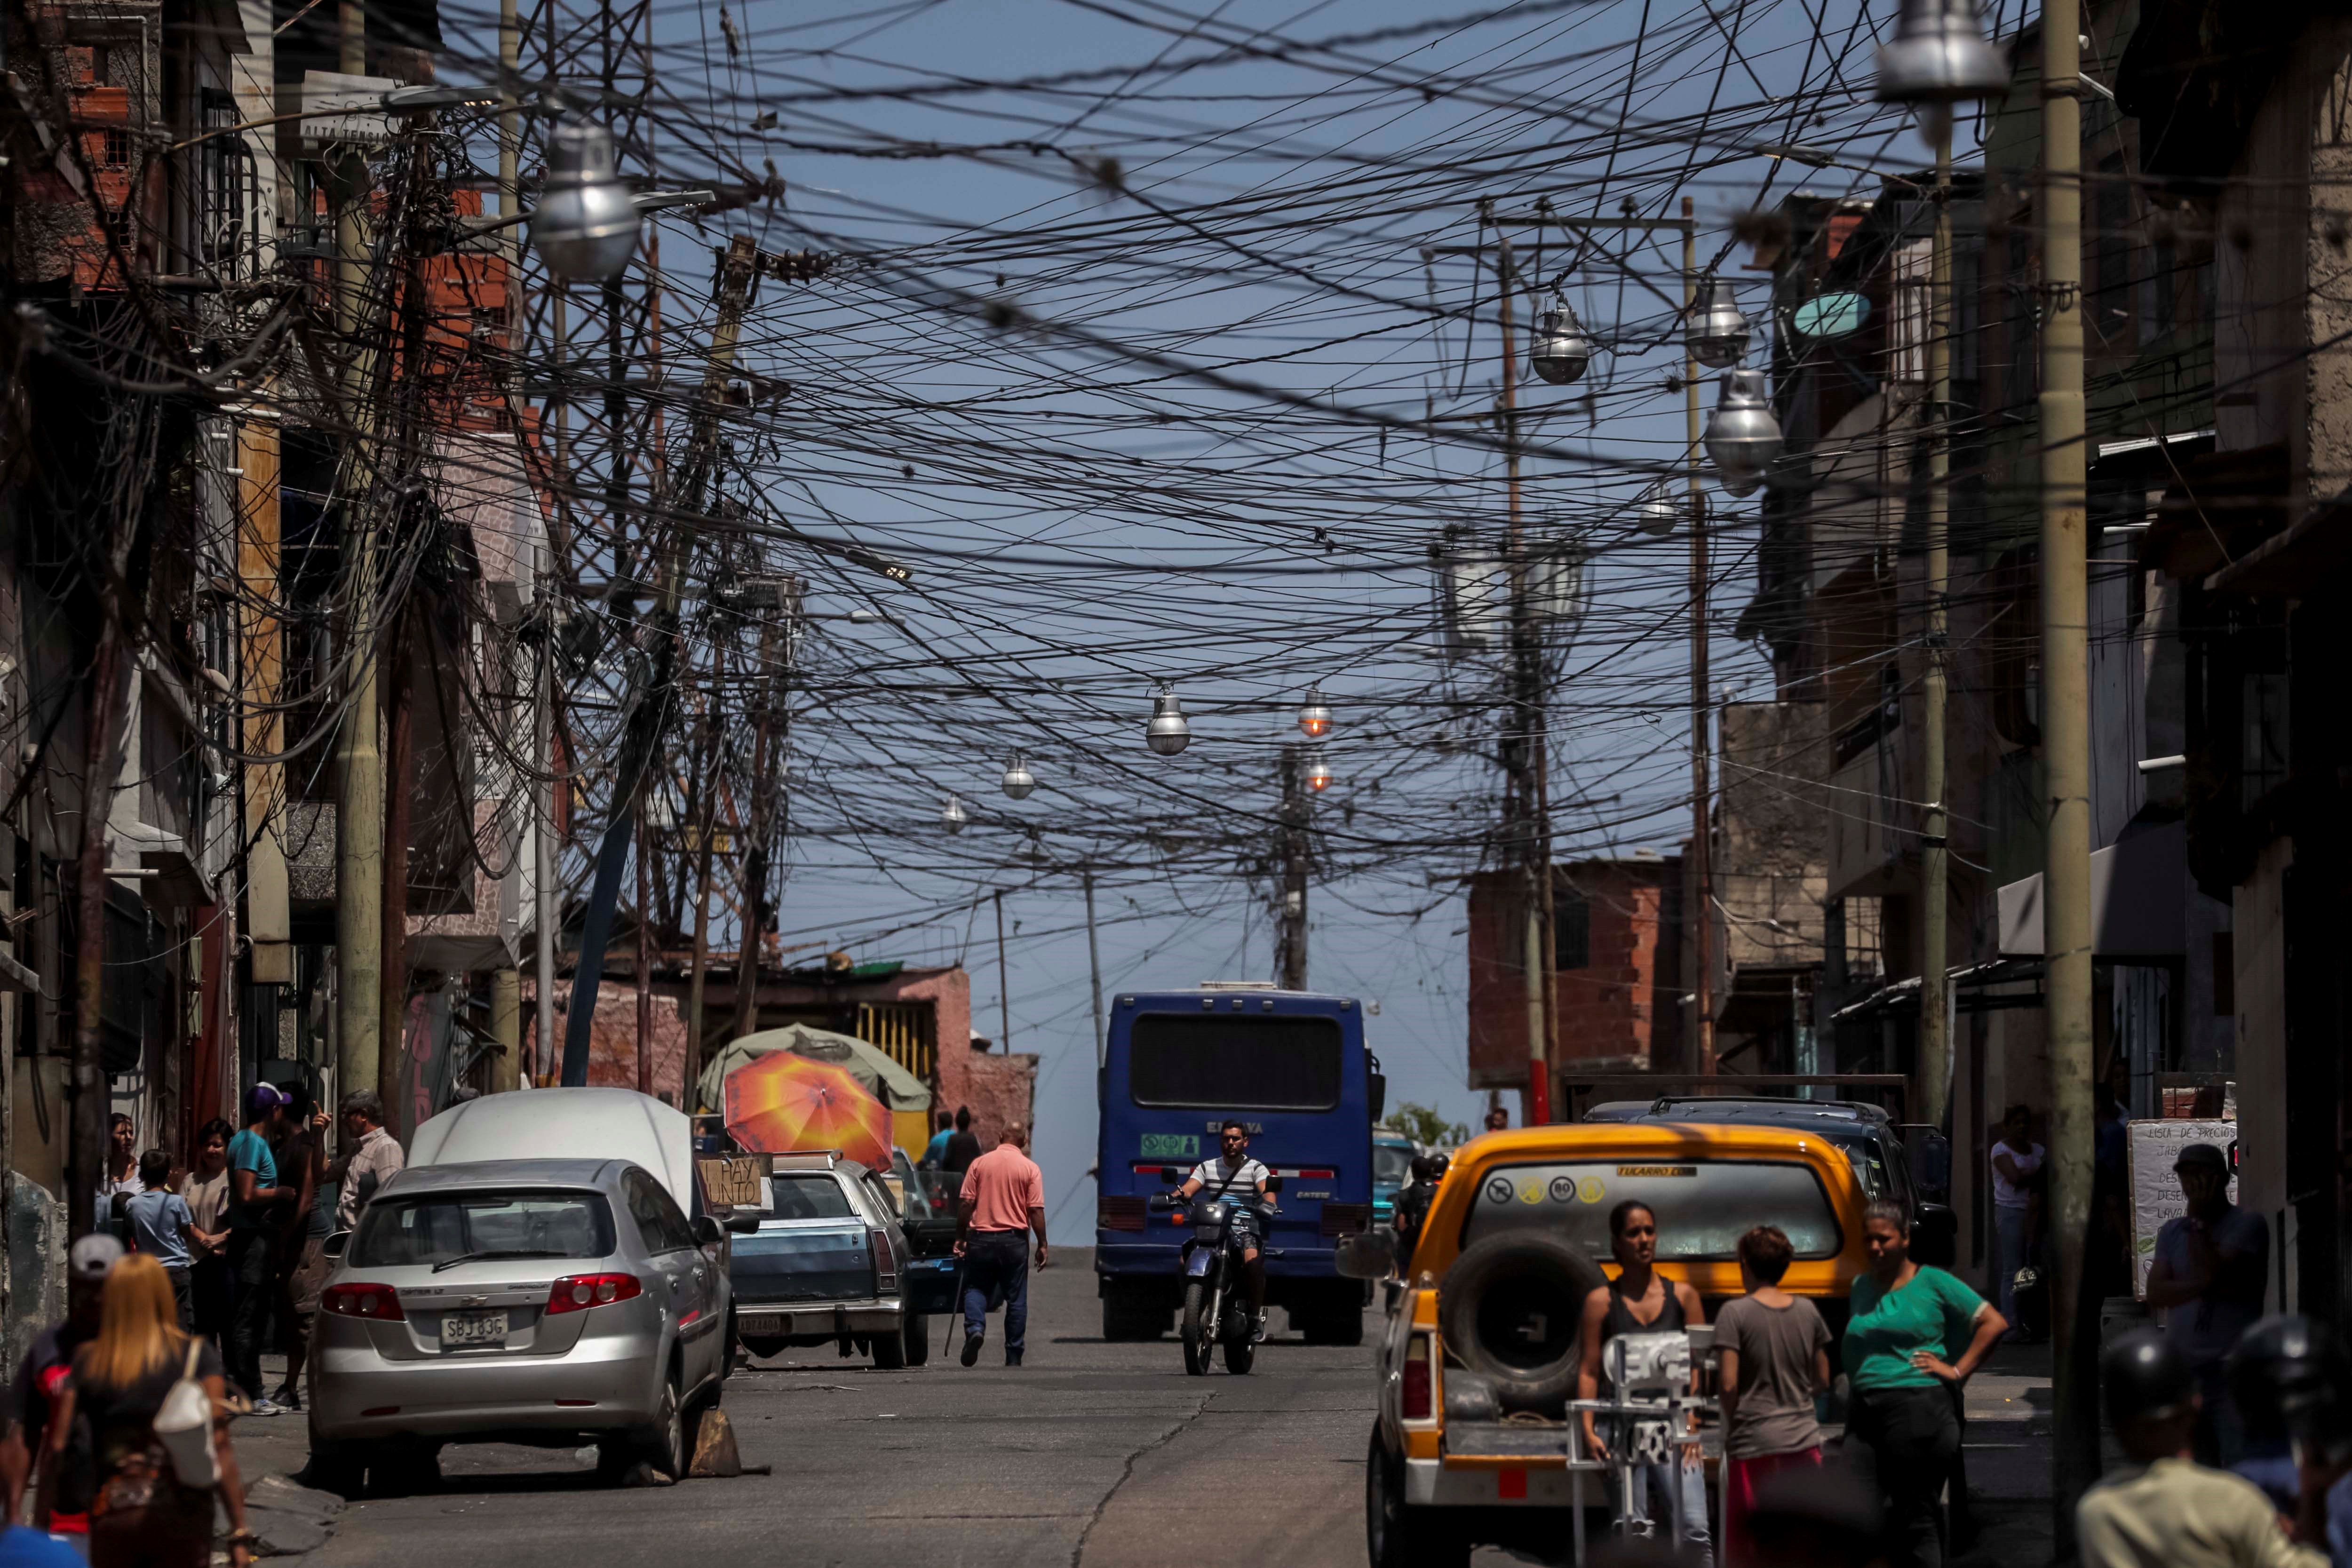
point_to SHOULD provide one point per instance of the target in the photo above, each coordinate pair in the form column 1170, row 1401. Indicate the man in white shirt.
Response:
column 1233, row 1174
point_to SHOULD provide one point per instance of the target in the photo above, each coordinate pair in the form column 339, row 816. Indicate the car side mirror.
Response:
column 1367, row 1255
column 743, row 1225
column 335, row 1243
column 1170, row 1174
column 706, row 1232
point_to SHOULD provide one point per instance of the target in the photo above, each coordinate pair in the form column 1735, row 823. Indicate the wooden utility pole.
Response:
column 2066, row 757
column 1094, row 971
column 399, row 789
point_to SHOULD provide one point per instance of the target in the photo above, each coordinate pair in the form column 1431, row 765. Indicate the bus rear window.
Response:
column 1703, row 1206
column 1212, row 1063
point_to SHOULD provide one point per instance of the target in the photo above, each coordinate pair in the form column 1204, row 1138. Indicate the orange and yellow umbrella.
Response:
column 783, row 1102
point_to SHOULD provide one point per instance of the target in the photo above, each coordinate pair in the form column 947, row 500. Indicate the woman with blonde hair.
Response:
column 143, row 1515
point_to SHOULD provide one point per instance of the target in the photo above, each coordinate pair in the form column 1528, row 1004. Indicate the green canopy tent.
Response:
column 869, row 1064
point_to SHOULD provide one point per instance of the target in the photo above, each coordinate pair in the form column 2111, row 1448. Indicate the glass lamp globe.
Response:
column 1168, row 733
column 585, row 226
column 1018, row 779
column 1742, row 436
column 1717, row 334
column 1315, row 715
column 1939, row 56
column 1560, row 351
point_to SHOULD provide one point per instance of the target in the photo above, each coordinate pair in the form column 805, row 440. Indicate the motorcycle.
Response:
column 1216, row 1288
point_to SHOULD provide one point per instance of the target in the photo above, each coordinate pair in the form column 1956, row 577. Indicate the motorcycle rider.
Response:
column 1234, row 1172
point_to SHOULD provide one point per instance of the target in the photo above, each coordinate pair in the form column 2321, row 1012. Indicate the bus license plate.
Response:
column 473, row 1331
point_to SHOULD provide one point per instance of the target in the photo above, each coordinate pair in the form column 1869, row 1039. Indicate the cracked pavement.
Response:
column 1091, row 1454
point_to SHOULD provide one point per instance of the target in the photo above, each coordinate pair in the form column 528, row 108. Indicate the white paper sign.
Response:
column 2156, row 1195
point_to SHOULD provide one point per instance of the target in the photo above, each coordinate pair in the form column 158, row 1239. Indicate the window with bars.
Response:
column 904, row 1031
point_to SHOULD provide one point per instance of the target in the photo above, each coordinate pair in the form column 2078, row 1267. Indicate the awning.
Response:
column 2138, row 888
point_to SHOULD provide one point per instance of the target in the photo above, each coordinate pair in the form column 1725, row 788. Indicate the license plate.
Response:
column 473, row 1331
column 758, row 1323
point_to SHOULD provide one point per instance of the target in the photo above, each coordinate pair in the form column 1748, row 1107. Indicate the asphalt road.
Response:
column 1091, row 1453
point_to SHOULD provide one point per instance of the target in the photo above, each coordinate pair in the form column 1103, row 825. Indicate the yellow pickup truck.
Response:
column 1473, row 1445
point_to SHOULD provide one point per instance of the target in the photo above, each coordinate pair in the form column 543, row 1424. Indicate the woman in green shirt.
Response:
column 1901, row 1430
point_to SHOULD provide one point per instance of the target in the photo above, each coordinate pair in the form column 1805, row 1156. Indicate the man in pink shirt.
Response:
column 1003, row 1198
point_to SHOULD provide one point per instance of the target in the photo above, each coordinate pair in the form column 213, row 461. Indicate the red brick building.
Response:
column 1617, row 953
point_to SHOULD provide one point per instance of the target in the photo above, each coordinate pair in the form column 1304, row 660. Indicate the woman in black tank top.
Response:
column 1609, row 1312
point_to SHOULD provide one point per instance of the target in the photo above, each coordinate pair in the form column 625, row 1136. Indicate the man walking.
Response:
column 1003, row 1198
column 162, row 1226
column 2210, row 1267
column 253, row 1230
column 372, row 1156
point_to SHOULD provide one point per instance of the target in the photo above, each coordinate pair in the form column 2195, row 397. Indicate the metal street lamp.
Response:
column 1742, row 436
column 1939, row 56
column 1315, row 714
column 1657, row 514
column 1318, row 771
column 1166, row 734
column 585, row 226
column 952, row 816
column 1560, row 350
column 1018, row 779
column 1717, row 334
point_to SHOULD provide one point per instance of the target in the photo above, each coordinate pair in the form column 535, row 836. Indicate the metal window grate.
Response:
column 905, row 1030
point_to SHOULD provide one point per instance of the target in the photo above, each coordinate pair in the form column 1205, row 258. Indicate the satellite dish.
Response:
column 1828, row 316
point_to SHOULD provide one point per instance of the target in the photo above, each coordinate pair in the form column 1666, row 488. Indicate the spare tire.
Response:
column 1511, row 1308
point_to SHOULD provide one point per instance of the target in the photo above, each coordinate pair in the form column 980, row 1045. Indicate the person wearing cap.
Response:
column 2207, row 1278
column 253, row 1236
column 62, row 1482
column 2161, row 1507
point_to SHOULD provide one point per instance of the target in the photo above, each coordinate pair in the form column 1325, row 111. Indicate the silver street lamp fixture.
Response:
column 1939, row 56
column 1657, row 515
column 1168, row 733
column 1559, row 351
column 1315, row 715
column 1717, row 334
column 1318, row 771
column 1018, row 779
column 585, row 226
column 952, row 816
column 1742, row 436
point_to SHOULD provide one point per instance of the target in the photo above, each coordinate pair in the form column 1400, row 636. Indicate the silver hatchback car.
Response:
column 539, row 1301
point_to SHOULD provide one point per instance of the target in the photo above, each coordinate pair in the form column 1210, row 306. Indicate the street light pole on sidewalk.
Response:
column 1935, row 869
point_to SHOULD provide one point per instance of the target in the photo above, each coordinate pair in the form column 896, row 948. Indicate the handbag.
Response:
column 183, row 1426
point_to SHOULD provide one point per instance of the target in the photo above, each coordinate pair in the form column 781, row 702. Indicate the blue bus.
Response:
column 1290, row 1065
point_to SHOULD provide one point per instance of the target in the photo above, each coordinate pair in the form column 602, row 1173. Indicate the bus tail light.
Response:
column 1119, row 1211
column 1414, row 1403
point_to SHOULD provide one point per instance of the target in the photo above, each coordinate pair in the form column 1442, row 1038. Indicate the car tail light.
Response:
column 578, row 1292
column 380, row 1302
column 885, row 1267
column 1413, row 1402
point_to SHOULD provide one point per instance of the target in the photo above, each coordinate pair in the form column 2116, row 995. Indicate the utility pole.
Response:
column 649, row 701
column 1290, row 903
column 359, row 812
column 1702, row 778
column 548, row 899
column 706, row 774
column 1003, row 981
column 764, row 784
column 1527, row 707
column 2065, row 752
column 1093, row 969
column 1935, row 869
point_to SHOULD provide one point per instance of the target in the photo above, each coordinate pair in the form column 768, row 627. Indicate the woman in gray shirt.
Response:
column 1775, row 1353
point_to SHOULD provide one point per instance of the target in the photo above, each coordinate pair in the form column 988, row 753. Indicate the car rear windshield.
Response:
column 1213, row 1063
column 1703, row 1206
column 441, row 1227
column 810, row 1195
